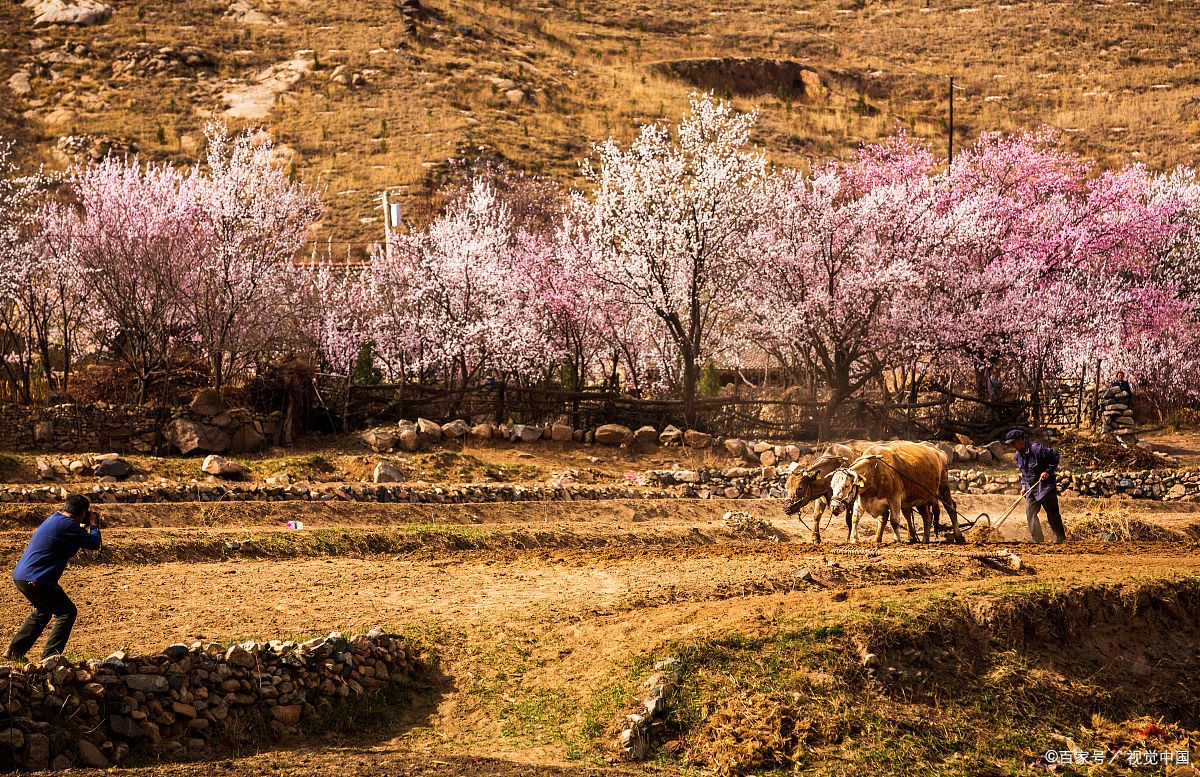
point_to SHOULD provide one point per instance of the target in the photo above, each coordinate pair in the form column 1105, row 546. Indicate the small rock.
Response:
column 114, row 468
column 671, row 436
column 222, row 467
column 147, row 683
column 525, row 433
column 90, row 755
column 289, row 715
column 239, row 656
column 386, row 473
column 19, row 83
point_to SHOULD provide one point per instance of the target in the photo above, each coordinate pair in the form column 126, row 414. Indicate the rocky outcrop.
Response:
column 80, row 12
column 748, row 76
column 256, row 99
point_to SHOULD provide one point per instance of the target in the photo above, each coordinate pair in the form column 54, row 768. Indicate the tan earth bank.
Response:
column 542, row 620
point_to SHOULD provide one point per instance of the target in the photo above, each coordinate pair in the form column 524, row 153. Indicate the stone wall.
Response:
column 704, row 483
column 1166, row 485
column 366, row 492
column 188, row 701
column 202, row 428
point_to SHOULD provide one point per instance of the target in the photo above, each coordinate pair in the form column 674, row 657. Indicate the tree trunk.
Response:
column 825, row 417
column 690, row 381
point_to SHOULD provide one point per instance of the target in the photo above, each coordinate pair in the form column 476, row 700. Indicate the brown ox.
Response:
column 891, row 480
column 811, row 484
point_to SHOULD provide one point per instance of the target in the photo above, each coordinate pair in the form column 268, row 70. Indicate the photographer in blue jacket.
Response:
column 36, row 575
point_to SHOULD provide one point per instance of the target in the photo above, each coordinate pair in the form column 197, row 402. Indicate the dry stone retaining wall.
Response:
column 205, row 492
column 198, row 428
column 708, row 483
column 188, row 701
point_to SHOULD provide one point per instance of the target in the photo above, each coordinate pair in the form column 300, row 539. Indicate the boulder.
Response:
column 207, row 402
column 482, row 432
column 525, row 433
column 767, row 458
column 191, row 437
column 113, row 468
column 695, row 439
column 999, row 450
column 613, row 434
column 408, row 440
column 222, row 467
column 671, row 436
column 964, row 439
column 561, row 433
column 247, row 439
column 735, row 447
column 429, row 430
column 386, row 473
column 646, row 435
column 456, row 429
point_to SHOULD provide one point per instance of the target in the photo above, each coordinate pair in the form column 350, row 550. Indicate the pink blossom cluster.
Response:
column 1021, row 259
column 145, row 262
column 685, row 248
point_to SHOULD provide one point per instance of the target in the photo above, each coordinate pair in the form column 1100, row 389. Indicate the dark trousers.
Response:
column 1053, row 517
column 49, row 600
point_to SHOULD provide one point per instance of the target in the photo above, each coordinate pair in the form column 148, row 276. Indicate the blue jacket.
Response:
column 53, row 544
column 1032, row 462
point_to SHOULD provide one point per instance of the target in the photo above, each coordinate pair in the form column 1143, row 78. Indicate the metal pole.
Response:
column 950, row 139
column 387, row 227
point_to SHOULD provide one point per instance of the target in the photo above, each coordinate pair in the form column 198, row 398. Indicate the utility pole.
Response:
column 950, row 139
column 392, row 217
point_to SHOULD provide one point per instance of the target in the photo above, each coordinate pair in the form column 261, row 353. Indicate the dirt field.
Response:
column 538, row 614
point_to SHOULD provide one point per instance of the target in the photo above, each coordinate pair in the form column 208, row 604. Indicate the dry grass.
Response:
column 1114, row 524
column 1117, row 77
column 942, row 686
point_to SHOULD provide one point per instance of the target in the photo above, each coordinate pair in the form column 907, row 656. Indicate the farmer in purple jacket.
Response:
column 36, row 575
column 1038, row 464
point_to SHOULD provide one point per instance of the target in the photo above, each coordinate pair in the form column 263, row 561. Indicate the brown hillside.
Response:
column 364, row 95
